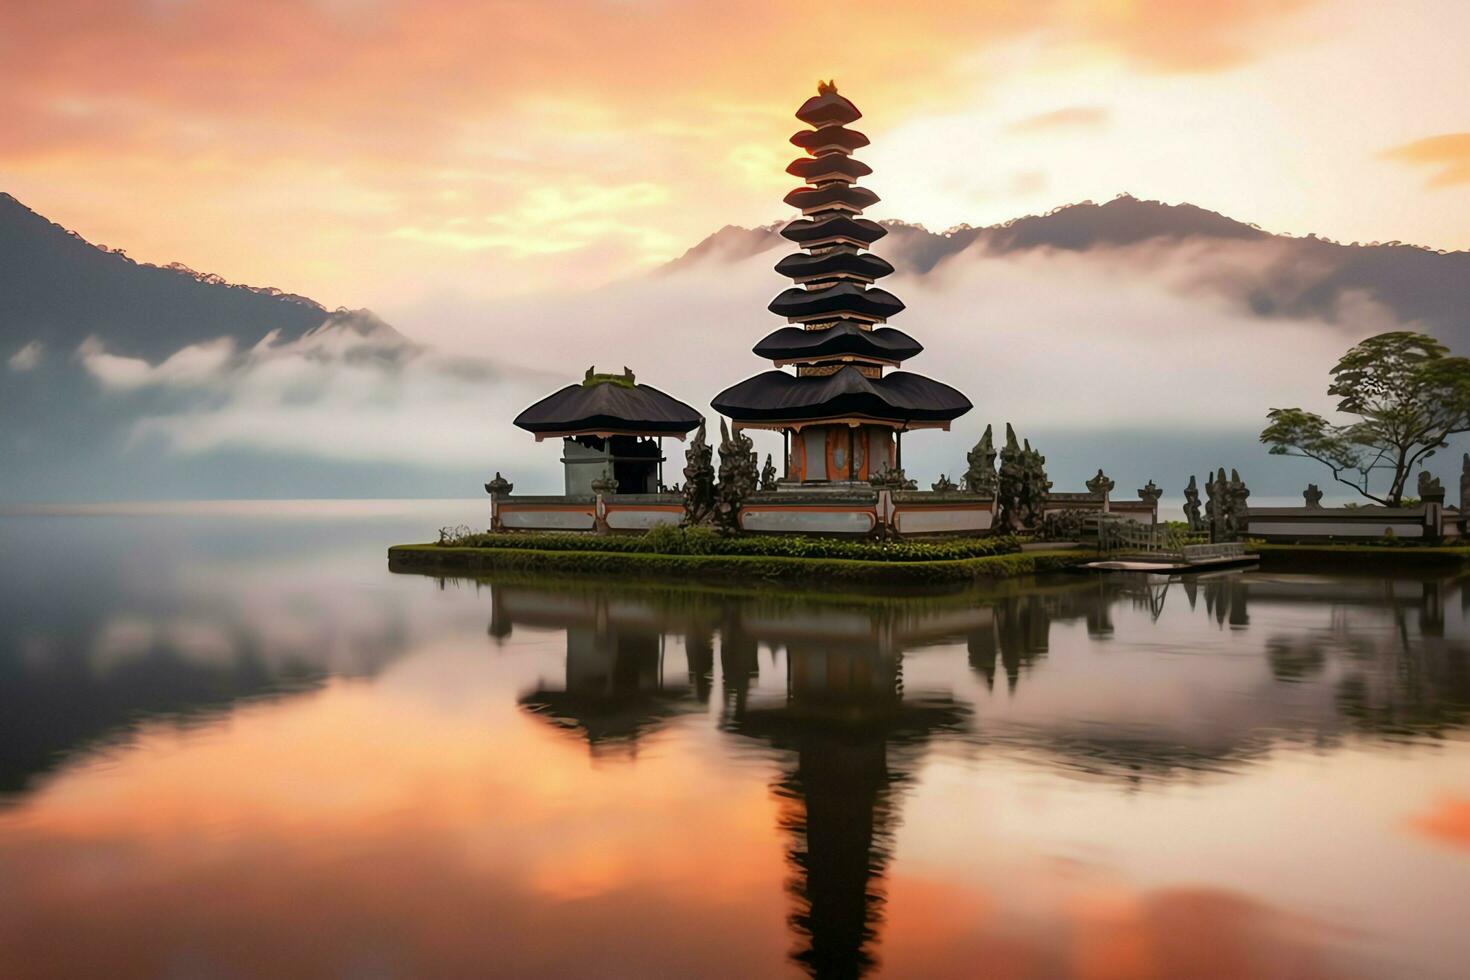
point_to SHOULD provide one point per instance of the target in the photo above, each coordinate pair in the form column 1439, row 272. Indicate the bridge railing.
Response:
column 1113, row 533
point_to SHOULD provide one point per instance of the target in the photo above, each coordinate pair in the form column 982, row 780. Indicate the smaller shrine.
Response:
column 612, row 430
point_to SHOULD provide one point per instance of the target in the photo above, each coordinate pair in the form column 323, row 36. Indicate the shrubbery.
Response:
column 671, row 540
column 720, row 567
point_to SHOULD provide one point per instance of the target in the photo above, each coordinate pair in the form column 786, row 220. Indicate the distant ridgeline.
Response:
column 57, row 289
column 67, row 434
column 1308, row 276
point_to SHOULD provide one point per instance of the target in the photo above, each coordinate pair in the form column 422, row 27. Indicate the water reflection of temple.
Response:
column 1397, row 650
column 820, row 683
column 850, row 738
column 846, row 733
column 615, row 689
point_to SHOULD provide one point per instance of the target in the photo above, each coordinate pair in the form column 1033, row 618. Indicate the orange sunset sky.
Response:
column 372, row 152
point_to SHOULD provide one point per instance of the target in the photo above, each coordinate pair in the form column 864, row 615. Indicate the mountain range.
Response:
column 1294, row 277
column 123, row 380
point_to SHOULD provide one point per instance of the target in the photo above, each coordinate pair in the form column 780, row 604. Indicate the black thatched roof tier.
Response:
column 800, row 265
column 827, row 108
column 609, row 406
column 776, row 396
column 831, row 196
column 829, row 139
column 796, row 344
column 809, row 232
column 833, row 166
column 845, row 297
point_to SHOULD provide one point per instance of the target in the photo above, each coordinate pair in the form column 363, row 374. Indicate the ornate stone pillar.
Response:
column 497, row 488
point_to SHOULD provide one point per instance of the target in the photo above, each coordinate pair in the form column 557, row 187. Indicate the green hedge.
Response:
column 1360, row 557
column 731, row 567
column 668, row 540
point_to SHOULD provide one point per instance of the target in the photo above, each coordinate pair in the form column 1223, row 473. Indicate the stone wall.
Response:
column 615, row 512
column 1354, row 523
column 856, row 510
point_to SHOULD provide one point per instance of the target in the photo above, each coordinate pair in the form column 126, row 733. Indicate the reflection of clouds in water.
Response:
column 1102, row 928
column 907, row 767
column 461, row 833
column 1447, row 822
column 183, row 616
column 461, row 859
column 130, row 636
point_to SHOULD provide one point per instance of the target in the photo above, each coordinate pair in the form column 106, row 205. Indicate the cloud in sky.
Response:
column 354, row 151
column 1071, row 117
column 1448, row 155
column 1100, row 341
column 26, row 358
column 1199, row 36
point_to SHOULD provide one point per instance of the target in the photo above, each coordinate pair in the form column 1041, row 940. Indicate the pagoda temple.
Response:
column 841, row 416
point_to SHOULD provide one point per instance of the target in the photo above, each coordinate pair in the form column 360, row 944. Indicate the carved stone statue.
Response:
column 605, row 483
column 980, row 475
column 1191, row 506
column 1008, row 483
column 1218, row 508
column 699, row 480
column 497, row 488
column 1238, row 514
column 1150, row 492
column 738, row 476
column 1210, row 505
column 1035, row 486
column 1100, row 485
column 1313, row 496
column 892, row 478
column 944, row 484
column 1430, row 488
column 768, row 474
column 1022, row 486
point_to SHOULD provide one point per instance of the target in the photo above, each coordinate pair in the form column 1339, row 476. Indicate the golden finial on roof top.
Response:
column 827, row 88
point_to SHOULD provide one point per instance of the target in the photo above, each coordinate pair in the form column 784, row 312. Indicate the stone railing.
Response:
column 862, row 510
column 1228, row 549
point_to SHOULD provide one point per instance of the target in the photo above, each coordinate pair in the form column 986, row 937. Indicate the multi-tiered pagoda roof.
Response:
column 836, row 339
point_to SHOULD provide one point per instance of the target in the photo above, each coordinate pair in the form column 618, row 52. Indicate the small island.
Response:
column 842, row 510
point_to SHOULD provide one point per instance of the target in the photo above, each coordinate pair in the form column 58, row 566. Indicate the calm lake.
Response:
column 232, row 744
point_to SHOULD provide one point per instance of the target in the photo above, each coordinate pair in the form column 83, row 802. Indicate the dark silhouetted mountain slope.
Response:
column 57, row 289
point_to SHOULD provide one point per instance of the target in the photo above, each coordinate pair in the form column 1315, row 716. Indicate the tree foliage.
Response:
column 1410, row 397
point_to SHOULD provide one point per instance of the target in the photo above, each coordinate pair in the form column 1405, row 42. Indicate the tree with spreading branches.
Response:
column 1410, row 396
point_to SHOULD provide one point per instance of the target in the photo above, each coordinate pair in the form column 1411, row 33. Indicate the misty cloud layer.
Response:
column 1163, row 336
column 352, row 390
column 1145, row 340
